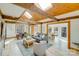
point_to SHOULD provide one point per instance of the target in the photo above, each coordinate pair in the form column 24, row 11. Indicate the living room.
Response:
column 35, row 32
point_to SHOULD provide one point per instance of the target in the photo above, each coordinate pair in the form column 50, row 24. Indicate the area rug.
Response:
column 28, row 51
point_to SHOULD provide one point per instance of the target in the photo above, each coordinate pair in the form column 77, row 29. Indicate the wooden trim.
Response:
column 39, row 28
column 61, row 19
column 69, row 32
column 73, row 17
column 10, row 21
column 9, row 17
column 54, row 21
column 32, row 29
column 59, row 22
column 46, row 28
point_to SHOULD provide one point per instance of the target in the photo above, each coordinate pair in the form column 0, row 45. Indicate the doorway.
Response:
column 61, row 30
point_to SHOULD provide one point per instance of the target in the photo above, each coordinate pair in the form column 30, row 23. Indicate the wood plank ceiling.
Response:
column 62, row 8
column 57, row 9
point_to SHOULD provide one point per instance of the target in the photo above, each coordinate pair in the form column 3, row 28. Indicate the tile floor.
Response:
column 58, row 49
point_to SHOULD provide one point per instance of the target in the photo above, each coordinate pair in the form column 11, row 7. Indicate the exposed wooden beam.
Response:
column 29, row 21
column 34, row 8
column 38, row 10
column 10, row 22
column 73, row 17
column 62, row 19
column 9, row 17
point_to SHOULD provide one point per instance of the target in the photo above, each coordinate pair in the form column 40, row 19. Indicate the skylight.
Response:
column 28, row 15
column 44, row 6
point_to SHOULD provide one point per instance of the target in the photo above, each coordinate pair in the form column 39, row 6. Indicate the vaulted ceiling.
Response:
column 56, row 10
column 38, row 14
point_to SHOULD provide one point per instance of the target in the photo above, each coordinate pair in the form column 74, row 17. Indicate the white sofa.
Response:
column 39, row 49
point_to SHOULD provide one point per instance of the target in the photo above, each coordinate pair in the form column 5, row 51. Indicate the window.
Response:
column 28, row 15
column 44, row 6
column 63, row 32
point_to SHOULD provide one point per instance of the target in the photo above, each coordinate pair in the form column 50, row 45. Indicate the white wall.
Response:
column 74, row 32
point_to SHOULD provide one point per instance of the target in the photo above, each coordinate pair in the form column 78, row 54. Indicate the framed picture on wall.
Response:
column 63, row 32
column 56, row 31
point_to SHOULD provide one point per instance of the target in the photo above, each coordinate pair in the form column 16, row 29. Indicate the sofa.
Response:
column 40, row 37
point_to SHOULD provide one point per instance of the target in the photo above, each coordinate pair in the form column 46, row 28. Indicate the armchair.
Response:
column 39, row 49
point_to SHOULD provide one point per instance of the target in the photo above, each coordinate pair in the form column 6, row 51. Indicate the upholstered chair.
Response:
column 39, row 49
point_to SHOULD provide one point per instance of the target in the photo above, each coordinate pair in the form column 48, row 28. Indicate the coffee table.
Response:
column 28, row 43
